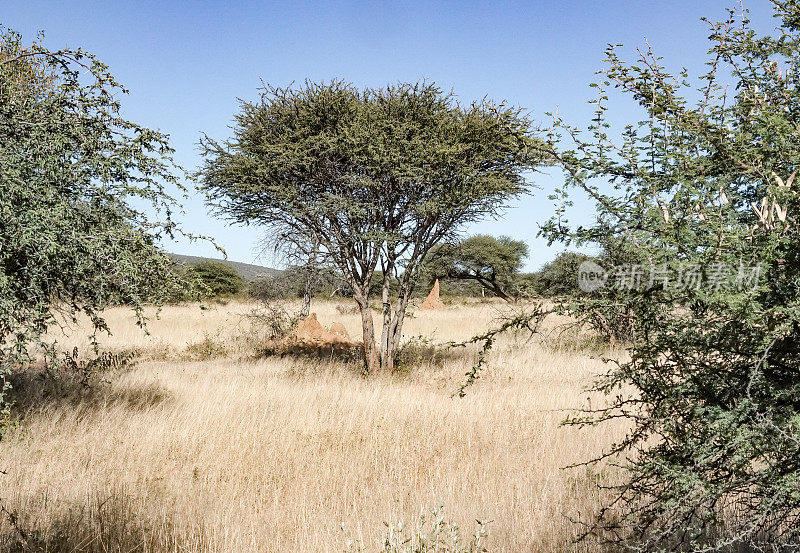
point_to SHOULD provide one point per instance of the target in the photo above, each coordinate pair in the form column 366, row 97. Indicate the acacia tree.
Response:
column 703, row 210
column 217, row 278
column 70, row 237
column 494, row 263
column 378, row 177
column 557, row 277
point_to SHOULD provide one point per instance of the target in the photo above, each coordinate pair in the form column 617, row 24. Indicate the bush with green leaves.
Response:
column 83, row 197
column 558, row 278
column 698, row 208
column 217, row 279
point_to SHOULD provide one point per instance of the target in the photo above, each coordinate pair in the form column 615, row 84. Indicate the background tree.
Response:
column 703, row 198
column 378, row 176
column 217, row 278
column 71, row 239
column 293, row 283
column 494, row 263
column 559, row 278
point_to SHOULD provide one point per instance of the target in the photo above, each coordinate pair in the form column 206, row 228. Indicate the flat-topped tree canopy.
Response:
column 377, row 176
column 493, row 262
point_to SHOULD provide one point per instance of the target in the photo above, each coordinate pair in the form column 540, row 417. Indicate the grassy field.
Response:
column 202, row 446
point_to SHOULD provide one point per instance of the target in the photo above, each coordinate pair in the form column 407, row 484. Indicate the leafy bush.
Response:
column 218, row 279
column 76, row 187
column 558, row 278
column 703, row 225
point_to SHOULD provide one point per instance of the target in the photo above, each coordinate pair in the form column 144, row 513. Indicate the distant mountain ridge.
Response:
column 248, row 271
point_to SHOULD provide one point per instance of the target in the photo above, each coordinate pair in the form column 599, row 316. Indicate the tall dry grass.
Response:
column 238, row 454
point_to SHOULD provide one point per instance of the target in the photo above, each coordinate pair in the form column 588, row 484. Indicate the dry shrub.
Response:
column 575, row 338
column 273, row 318
column 114, row 523
column 421, row 351
column 346, row 310
column 207, row 348
column 73, row 381
column 158, row 351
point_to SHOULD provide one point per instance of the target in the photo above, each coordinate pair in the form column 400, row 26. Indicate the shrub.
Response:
column 432, row 534
column 702, row 223
column 219, row 279
column 81, row 190
column 272, row 319
column 207, row 348
column 558, row 278
column 419, row 350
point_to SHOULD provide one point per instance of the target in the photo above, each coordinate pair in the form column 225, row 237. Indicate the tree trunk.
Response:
column 306, row 303
column 393, row 327
column 311, row 277
column 387, row 353
column 371, row 362
column 397, row 325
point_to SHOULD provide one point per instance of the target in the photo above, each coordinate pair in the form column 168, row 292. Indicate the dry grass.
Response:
column 236, row 454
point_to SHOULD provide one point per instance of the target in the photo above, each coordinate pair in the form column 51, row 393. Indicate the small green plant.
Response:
column 433, row 534
column 8, row 423
column 418, row 350
column 207, row 348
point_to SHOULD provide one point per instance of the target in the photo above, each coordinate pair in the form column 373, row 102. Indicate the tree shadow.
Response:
column 39, row 387
column 344, row 353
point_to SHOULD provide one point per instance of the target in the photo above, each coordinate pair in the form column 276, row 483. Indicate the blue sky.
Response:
column 186, row 63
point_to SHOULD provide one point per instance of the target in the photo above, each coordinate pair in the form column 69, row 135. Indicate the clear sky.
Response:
column 187, row 62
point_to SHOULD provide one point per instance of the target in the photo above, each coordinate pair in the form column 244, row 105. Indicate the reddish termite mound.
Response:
column 309, row 331
column 433, row 301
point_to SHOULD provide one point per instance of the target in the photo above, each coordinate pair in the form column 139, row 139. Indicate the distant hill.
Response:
column 249, row 272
